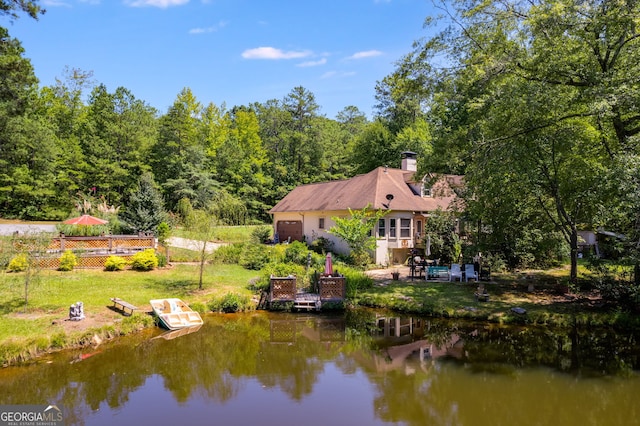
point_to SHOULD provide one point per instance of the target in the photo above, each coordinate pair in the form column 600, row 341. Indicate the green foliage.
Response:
column 115, row 263
column 184, row 209
column 356, row 280
column 230, row 253
column 18, row 263
column 231, row 302
column 144, row 261
column 322, row 245
column 261, row 234
column 68, row 261
column 440, row 231
column 296, row 252
column 144, row 210
column 83, row 230
column 199, row 307
column 163, row 232
column 355, row 230
column 162, row 259
column 254, row 257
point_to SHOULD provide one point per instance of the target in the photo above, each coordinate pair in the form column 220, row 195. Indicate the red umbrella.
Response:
column 85, row 219
column 328, row 265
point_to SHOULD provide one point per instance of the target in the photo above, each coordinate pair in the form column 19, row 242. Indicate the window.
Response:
column 392, row 228
column 321, row 223
column 405, row 228
column 418, row 228
column 381, row 228
column 426, row 191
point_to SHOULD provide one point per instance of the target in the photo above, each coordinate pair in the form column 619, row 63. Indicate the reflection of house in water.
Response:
column 402, row 345
column 315, row 329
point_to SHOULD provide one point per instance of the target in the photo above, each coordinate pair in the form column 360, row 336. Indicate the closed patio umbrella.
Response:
column 85, row 219
column 328, row 265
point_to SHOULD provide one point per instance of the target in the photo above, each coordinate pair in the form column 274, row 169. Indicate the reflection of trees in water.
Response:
column 289, row 352
column 583, row 352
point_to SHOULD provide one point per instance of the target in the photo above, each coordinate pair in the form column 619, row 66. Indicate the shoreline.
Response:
column 406, row 296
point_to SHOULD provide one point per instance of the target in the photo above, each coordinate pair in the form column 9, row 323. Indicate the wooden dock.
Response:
column 308, row 301
column 284, row 290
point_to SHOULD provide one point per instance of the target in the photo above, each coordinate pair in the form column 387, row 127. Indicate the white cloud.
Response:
column 365, row 54
column 312, row 63
column 155, row 3
column 55, row 3
column 273, row 53
column 212, row 29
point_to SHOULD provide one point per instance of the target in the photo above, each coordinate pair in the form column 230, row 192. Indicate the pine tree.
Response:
column 145, row 208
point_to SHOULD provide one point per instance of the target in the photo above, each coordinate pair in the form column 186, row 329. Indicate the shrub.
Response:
column 261, row 234
column 229, row 254
column 356, row 280
column 231, row 302
column 19, row 263
column 199, row 307
column 162, row 259
column 68, row 261
column 115, row 263
column 296, row 252
column 144, row 261
column 322, row 245
column 254, row 257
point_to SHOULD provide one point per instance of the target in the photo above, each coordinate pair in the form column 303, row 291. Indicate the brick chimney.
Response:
column 409, row 162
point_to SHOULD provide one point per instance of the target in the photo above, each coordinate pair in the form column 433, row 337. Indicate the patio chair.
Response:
column 470, row 272
column 455, row 272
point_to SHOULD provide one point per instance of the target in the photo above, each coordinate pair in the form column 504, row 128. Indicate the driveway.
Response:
column 11, row 228
column 194, row 245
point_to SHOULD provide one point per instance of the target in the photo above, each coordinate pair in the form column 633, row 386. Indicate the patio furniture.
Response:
column 470, row 272
column 437, row 273
column 455, row 272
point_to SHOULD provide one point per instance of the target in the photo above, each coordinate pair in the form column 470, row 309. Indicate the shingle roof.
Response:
column 368, row 189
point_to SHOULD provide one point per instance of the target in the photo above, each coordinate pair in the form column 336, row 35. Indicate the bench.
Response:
column 437, row 272
column 123, row 305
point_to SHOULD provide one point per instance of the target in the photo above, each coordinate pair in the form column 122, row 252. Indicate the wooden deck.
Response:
column 284, row 290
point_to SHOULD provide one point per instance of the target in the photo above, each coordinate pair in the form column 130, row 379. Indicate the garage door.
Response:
column 289, row 229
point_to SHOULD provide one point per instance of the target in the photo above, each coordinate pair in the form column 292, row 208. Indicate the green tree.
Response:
column 29, row 248
column 144, row 210
column 28, row 154
column 375, row 147
column 440, row 231
column 535, row 95
column 11, row 8
column 180, row 143
column 202, row 229
column 116, row 139
column 241, row 160
column 355, row 230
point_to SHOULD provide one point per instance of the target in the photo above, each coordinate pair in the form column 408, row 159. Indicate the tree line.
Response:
column 535, row 102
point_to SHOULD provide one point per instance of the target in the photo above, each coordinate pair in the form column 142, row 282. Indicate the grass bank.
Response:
column 527, row 298
column 26, row 332
column 43, row 325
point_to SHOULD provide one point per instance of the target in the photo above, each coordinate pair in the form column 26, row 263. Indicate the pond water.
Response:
column 358, row 368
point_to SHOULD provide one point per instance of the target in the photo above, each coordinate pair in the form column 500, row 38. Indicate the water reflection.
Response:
column 360, row 367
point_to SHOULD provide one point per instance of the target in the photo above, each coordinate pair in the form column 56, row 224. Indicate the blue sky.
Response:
column 232, row 52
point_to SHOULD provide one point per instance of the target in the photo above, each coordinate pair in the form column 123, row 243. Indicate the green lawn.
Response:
column 52, row 292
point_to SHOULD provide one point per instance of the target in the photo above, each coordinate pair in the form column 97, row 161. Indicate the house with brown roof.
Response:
column 306, row 213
